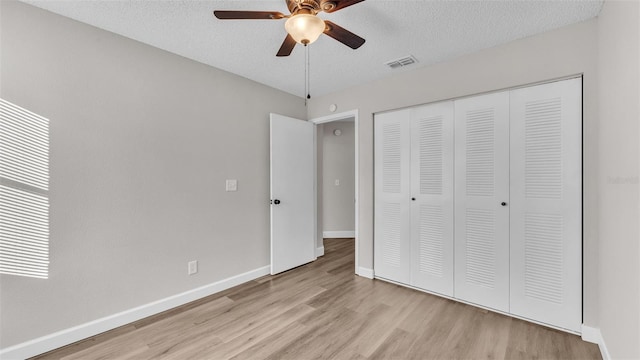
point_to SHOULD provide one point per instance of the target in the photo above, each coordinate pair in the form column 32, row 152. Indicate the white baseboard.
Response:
column 320, row 251
column 338, row 234
column 364, row 272
column 593, row 335
column 80, row 332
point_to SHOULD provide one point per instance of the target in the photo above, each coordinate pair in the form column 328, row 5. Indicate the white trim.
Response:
column 356, row 121
column 341, row 116
column 68, row 336
column 319, row 251
column 338, row 234
column 336, row 117
column 593, row 335
column 315, row 197
column 364, row 272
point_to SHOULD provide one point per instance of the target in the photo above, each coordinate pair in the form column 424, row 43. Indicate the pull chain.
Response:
column 307, row 76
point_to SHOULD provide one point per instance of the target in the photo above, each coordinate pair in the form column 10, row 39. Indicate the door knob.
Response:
column 503, row 203
column 276, row 201
column 413, row 199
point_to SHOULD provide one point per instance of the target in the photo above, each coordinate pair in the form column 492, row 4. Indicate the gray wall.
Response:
column 619, row 161
column 566, row 51
column 141, row 144
column 338, row 164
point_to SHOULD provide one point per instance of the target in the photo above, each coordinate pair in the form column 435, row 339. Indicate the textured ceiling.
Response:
column 432, row 31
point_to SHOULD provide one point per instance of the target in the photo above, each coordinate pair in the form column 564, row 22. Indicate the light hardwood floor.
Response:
column 323, row 311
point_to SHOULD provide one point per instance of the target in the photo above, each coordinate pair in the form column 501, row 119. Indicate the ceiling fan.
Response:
column 303, row 25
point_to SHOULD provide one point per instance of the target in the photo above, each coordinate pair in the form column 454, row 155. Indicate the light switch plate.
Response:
column 193, row 267
column 232, row 185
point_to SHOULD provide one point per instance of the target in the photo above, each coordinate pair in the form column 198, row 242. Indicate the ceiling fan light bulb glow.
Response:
column 304, row 28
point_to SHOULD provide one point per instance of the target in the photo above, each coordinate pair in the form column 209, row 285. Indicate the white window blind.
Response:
column 24, row 192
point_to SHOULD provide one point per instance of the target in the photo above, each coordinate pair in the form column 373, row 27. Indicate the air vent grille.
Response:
column 402, row 62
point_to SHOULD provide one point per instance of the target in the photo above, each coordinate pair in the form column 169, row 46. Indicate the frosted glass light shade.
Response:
column 304, row 28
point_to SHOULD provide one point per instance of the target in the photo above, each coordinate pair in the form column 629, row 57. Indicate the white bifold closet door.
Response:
column 414, row 197
column 432, row 197
column 546, row 197
column 392, row 252
column 482, row 200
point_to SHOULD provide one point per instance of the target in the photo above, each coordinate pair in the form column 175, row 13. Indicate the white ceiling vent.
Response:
column 402, row 62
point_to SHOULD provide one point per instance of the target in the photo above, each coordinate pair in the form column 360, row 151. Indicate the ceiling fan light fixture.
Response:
column 304, row 28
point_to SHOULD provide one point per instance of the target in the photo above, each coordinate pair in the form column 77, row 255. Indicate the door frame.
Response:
column 327, row 119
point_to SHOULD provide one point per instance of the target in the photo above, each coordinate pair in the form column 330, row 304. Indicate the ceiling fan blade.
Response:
column 343, row 35
column 245, row 15
column 330, row 6
column 287, row 46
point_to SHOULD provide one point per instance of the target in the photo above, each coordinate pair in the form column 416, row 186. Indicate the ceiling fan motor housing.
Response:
column 311, row 6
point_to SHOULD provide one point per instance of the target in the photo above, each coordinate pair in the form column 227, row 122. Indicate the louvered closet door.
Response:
column 392, row 198
column 432, row 197
column 546, row 192
column 481, row 185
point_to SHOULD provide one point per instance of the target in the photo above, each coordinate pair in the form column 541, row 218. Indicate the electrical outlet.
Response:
column 193, row 267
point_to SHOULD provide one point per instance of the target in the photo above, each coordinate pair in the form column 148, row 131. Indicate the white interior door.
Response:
column 292, row 193
column 432, row 197
column 546, row 193
column 392, row 246
column 482, row 200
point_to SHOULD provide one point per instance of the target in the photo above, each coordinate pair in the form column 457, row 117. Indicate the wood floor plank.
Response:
column 429, row 308
column 395, row 346
column 327, row 336
column 436, row 332
column 273, row 343
column 85, row 344
column 181, row 345
column 273, row 327
column 371, row 333
column 115, row 348
column 169, row 333
column 323, row 311
column 464, row 333
column 403, row 306
column 492, row 338
column 243, row 324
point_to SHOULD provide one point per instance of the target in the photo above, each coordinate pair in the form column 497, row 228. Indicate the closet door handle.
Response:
column 503, row 203
column 413, row 199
